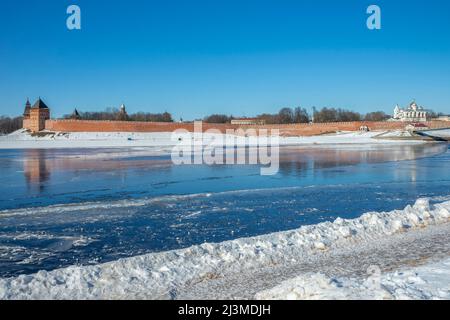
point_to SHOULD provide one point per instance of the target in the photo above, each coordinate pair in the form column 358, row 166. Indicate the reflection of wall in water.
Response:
column 39, row 164
column 35, row 168
column 297, row 160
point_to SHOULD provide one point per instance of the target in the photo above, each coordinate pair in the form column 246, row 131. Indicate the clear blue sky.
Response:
column 239, row 57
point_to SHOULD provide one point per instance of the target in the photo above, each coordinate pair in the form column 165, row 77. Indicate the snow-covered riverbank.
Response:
column 24, row 140
column 166, row 275
column 429, row 281
column 441, row 133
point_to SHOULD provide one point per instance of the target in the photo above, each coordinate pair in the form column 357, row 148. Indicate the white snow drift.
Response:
column 431, row 281
column 22, row 139
column 159, row 275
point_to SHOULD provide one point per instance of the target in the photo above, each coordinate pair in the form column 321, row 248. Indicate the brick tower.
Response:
column 38, row 113
column 26, row 113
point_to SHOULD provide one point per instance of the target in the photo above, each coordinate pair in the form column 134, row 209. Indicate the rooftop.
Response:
column 40, row 105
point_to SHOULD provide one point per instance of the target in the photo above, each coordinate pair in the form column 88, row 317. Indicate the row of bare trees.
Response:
column 301, row 115
column 341, row 115
column 115, row 114
column 285, row 115
column 8, row 125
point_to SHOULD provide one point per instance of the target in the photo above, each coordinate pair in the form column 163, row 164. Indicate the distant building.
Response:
column 364, row 129
column 122, row 116
column 26, row 113
column 34, row 116
column 248, row 122
column 412, row 113
column 416, row 127
column 313, row 116
column 75, row 115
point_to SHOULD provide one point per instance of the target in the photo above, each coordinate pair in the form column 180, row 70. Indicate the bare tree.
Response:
column 286, row 115
column 376, row 116
column 301, row 115
column 336, row 115
column 8, row 125
column 218, row 118
column 269, row 118
column 114, row 114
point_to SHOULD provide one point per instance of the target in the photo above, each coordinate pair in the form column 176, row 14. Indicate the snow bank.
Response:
column 443, row 133
column 431, row 281
column 158, row 275
column 22, row 139
column 396, row 134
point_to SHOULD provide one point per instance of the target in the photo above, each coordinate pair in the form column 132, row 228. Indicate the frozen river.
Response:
column 65, row 207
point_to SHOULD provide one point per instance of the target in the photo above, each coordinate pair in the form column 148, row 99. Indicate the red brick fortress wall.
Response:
column 322, row 128
column 126, row 126
column 286, row 130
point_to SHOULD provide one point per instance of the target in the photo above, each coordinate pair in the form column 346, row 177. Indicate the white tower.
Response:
column 397, row 112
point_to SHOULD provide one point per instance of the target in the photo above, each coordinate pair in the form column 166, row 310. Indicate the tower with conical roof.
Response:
column 36, row 115
column 26, row 113
column 397, row 112
column 75, row 115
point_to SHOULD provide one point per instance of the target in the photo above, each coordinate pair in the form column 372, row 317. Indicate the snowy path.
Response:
column 389, row 254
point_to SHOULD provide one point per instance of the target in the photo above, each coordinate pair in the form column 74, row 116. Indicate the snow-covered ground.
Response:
column 445, row 133
column 395, row 134
column 164, row 275
column 429, row 281
column 24, row 140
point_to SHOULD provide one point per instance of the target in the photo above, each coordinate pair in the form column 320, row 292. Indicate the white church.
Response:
column 412, row 113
